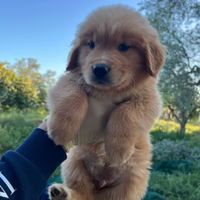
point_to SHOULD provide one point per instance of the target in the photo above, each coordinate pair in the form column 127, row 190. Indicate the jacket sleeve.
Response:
column 25, row 171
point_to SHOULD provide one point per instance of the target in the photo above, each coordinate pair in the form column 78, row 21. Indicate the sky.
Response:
column 44, row 29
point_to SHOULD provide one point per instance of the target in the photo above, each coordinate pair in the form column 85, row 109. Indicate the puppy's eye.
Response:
column 123, row 47
column 91, row 45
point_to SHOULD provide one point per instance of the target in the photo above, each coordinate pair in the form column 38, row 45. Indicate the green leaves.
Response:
column 178, row 25
column 22, row 86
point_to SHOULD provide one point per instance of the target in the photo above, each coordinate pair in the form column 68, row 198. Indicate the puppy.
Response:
column 106, row 105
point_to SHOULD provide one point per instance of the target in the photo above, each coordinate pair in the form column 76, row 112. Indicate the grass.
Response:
column 15, row 128
column 169, row 130
column 170, row 127
column 178, row 186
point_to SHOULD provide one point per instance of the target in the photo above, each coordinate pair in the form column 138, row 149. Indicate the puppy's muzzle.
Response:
column 100, row 71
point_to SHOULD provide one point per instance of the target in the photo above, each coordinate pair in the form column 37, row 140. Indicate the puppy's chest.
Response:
column 93, row 128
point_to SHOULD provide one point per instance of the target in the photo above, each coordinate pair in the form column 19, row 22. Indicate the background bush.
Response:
column 169, row 150
column 178, row 186
column 15, row 128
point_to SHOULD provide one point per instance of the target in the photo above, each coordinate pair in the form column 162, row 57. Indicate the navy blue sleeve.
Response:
column 25, row 171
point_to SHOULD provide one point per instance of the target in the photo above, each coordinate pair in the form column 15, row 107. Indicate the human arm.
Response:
column 25, row 171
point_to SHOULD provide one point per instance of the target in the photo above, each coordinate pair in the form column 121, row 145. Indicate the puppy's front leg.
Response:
column 68, row 105
column 126, row 124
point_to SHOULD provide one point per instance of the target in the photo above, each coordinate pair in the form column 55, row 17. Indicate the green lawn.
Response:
column 15, row 128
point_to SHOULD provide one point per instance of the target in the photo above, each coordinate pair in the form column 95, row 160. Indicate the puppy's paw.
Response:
column 116, row 157
column 58, row 136
column 59, row 192
column 60, row 131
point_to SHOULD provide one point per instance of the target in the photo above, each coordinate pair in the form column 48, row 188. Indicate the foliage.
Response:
column 22, row 86
column 177, row 186
column 169, row 130
column 56, row 177
column 169, row 150
column 14, row 129
column 173, row 127
column 29, row 68
column 6, row 79
column 15, row 91
column 177, row 21
column 181, row 185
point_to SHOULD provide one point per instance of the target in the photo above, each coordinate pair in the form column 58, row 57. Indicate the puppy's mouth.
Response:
column 104, row 81
column 101, row 75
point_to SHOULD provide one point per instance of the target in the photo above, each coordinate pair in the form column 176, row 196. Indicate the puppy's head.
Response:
column 116, row 47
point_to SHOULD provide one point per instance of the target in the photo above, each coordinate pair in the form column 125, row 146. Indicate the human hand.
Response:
column 43, row 126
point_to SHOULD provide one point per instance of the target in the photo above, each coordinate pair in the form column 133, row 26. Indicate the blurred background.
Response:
column 35, row 40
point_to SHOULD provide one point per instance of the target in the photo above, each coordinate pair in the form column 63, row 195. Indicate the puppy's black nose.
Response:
column 100, row 70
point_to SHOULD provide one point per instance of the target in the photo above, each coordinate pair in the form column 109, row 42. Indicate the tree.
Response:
column 177, row 22
column 49, row 78
column 28, row 69
column 6, row 88
column 22, row 86
column 15, row 92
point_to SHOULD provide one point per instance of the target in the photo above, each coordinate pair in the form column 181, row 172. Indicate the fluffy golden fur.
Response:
column 115, row 168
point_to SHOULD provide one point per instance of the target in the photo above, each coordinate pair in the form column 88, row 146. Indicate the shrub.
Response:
column 169, row 150
column 158, row 135
column 196, row 153
column 14, row 129
column 177, row 186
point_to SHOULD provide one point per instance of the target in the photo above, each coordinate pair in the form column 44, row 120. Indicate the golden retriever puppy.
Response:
column 106, row 105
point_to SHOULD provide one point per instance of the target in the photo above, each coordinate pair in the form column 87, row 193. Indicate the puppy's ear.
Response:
column 155, row 57
column 73, row 57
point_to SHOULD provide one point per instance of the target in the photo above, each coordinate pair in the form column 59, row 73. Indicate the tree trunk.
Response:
column 182, row 130
column 25, row 111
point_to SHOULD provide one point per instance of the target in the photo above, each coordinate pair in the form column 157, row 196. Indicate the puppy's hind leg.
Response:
column 62, row 192
column 133, row 188
column 78, row 184
column 59, row 192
